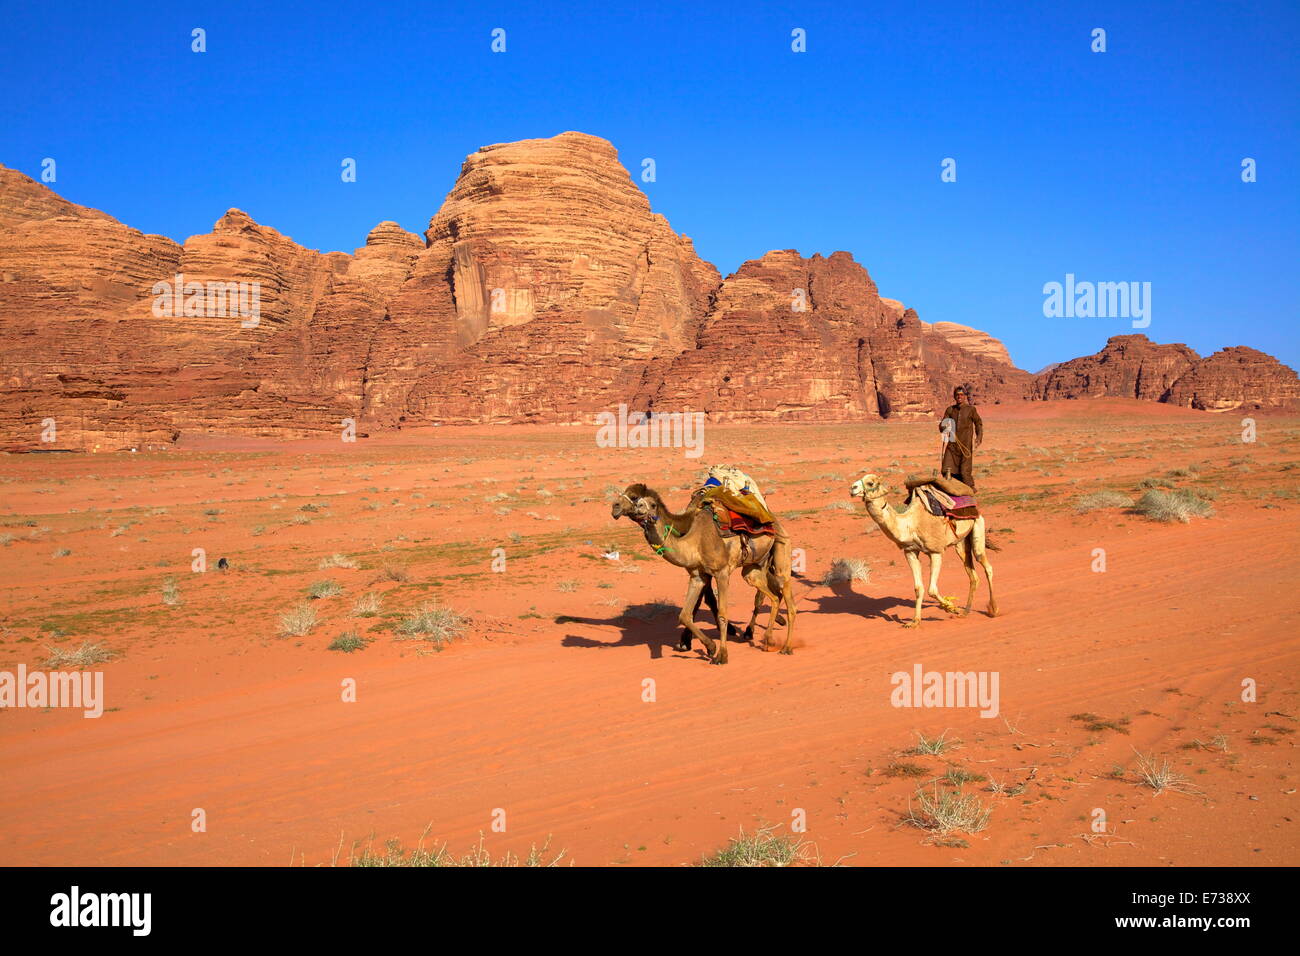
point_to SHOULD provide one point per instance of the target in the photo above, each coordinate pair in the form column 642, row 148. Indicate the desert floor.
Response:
column 538, row 710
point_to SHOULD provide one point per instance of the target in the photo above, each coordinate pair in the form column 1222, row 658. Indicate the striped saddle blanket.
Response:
column 939, row 502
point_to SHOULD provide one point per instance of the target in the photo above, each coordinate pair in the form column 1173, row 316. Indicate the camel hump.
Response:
column 950, row 486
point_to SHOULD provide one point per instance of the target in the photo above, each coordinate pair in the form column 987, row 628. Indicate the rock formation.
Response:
column 1237, row 378
column 544, row 290
column 971, row 340
column 1130, row 366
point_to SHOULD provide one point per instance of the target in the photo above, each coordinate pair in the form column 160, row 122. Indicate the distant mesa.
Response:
column 544, row 290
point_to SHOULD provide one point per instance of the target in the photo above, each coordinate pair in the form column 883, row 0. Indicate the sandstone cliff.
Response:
column 1237, row 378
column 1130, row 366
column 544, row 290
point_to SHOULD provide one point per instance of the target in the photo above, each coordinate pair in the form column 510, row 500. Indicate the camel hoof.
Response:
column 787, row 650
column 680, row 646
column 911, row 624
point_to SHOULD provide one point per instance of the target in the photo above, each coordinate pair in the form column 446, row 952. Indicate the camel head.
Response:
column 869, row 487
column 637, row 502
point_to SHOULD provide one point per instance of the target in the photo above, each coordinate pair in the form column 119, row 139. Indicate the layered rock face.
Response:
column 124, row 339
column 788, row 338
column 971, row 340
column 69, row 277
column 544, row 290
column 547, row 288
column 1130, row 366
column 798, row 339
column 1237, row 378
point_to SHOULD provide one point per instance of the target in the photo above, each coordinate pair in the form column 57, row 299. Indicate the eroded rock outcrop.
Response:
column 811, row 339
column 544, row 290
column 1130, row 366
column 547, row 288
column 1237, row 378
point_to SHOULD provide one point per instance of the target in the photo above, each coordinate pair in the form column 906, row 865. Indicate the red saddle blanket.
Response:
column 940, row 503
column 731, row 521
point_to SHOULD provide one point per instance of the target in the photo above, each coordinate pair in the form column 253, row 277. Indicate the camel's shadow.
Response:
column 844, row 600
column 643, row 625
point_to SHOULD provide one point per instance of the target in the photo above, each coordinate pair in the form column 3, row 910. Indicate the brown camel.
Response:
column 692, row 541
column 917, row 532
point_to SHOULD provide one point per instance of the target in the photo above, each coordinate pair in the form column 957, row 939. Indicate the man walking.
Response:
column 967, row 434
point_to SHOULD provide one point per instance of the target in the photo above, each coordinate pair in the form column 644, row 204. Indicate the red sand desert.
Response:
column 538, row 710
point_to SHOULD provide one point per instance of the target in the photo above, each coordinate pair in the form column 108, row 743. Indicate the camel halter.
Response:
column 647, row 523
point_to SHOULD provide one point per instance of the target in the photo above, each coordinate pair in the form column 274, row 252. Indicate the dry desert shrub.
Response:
column 478, row 856
column 1159, row 775
column 394, row 572
column 336, row 560
column 171, row 594
column 324, row 588
column 298, row 621
column 1181, row 504
column 943, row 810
column 86, row 655
column 1097, row 500
column 933, row 746
column 433, row 623
column 847, row 569
column 347, row 642
column 367, row 605
column 759, row 848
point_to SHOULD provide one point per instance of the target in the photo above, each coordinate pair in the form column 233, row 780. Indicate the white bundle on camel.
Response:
column 734, row 480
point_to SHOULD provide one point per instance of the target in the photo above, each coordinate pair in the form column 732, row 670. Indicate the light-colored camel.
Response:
column 692, row 541
column 918, row 532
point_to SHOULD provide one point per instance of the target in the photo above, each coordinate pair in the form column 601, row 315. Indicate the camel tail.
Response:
column 990, row 544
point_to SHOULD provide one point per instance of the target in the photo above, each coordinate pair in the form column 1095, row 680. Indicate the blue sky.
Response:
column 1115, row 166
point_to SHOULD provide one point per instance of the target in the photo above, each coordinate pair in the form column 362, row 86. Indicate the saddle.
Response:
column 944, row 497
column 947, row 485
column 736, row 515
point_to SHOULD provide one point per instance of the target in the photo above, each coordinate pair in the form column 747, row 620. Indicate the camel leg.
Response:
column 966, row 551
column 687, row 618
column 787, row 597
column 722, row 581
column 756, row 577
column 977, row 537
column 707, row 597
column 936, row 562
column 753, row 618
column 914, row 562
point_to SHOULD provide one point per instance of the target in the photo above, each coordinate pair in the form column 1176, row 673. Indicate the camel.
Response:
column 915, row 531
column 692, row 541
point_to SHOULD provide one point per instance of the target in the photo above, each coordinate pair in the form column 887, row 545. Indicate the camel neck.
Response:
column 680, row 524
column 882, row 512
